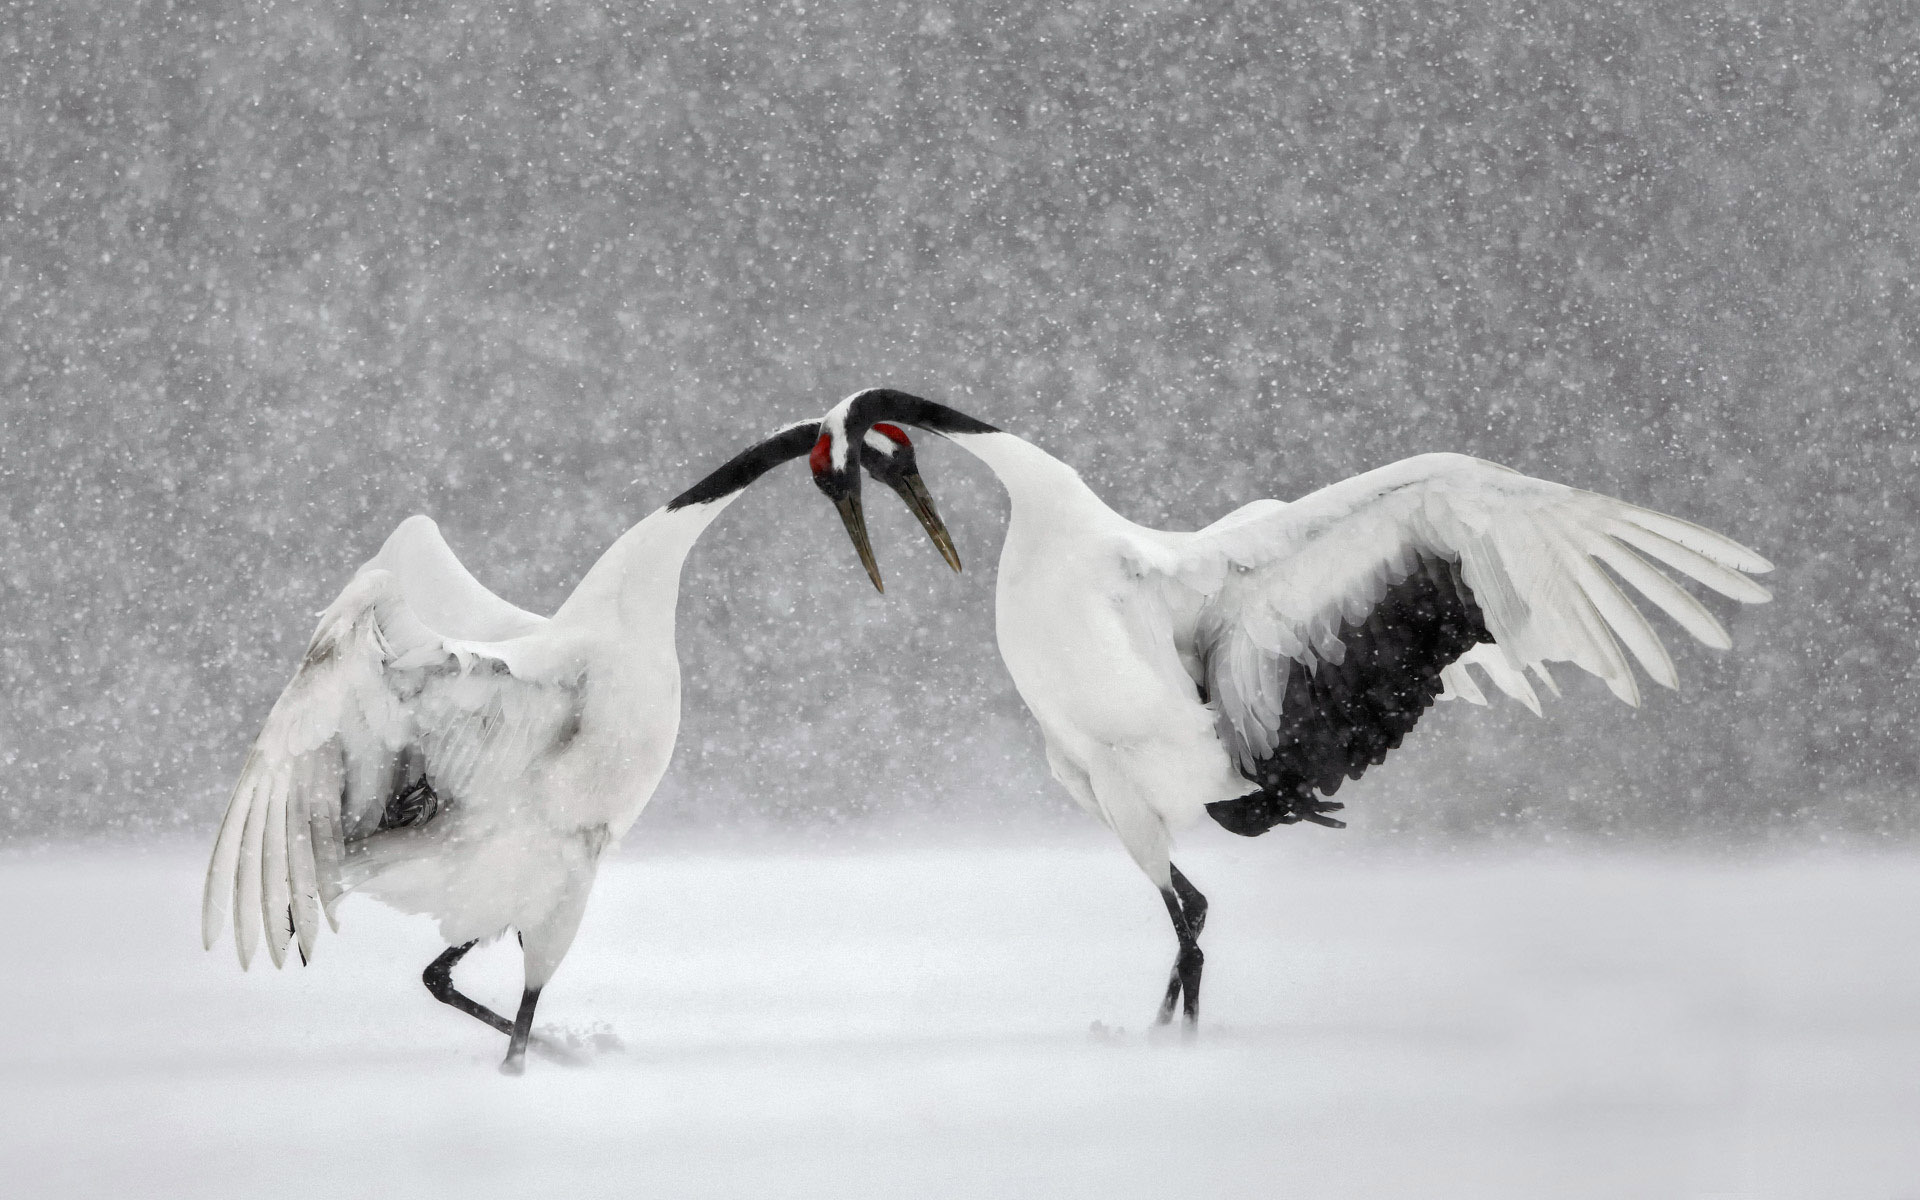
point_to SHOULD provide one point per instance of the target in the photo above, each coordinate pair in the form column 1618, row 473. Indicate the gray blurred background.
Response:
column 274, row 276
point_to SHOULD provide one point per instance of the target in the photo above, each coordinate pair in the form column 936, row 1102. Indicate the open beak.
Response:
column 856, row 523
column 914, row 491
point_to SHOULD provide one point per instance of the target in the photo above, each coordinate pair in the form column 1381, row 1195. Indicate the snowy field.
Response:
column 968, row 1021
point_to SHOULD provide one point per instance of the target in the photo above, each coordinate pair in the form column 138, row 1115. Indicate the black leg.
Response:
column 1187, row 909
column 1191, row 901
column 1173, row 977
column 516, row 1063
column 439, row 980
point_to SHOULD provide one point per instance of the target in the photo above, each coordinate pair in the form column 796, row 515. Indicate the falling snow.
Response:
column 275, row 275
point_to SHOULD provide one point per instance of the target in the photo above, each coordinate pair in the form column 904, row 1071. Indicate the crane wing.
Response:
column 1322, row 628
column 442, row 591
column 382, row 702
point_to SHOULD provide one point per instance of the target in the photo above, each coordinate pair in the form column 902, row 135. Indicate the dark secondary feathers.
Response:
column 412, row 806
column 1341, row 718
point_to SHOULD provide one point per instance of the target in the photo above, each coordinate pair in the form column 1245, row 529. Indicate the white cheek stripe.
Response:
column 836, row 428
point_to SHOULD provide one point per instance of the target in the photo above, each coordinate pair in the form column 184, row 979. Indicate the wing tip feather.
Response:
column 1699, row 539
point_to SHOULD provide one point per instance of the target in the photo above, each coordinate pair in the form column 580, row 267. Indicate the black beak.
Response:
column 914, row 491
column 856, row 522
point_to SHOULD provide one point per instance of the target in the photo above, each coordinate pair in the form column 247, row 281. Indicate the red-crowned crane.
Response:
column 1245, row 670
column 454, row 755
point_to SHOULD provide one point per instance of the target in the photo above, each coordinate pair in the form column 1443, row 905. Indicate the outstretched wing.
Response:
column 442, row 591
column 381, row 704
column 1322, row 629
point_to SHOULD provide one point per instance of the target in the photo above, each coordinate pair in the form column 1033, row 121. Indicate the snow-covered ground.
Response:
column 968, row 1021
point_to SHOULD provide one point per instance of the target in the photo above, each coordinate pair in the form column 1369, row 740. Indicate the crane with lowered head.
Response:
column 1245, row 670
column 452, row 754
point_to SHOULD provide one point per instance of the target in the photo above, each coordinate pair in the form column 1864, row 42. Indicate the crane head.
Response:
column 886, row 453
column 870, row 420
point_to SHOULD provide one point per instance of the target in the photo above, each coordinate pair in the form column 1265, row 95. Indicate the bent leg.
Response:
column 439, row 980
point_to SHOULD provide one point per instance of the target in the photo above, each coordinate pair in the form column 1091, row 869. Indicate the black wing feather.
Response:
column 1338, row 719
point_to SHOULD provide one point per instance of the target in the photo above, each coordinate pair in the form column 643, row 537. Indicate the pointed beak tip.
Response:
column 855, row 520
column 914, row 491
